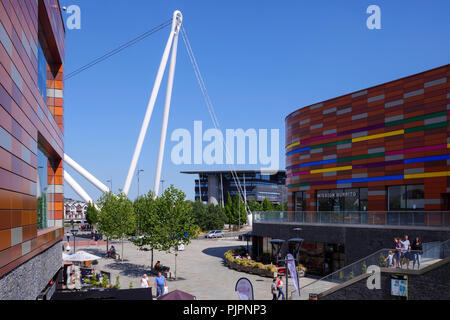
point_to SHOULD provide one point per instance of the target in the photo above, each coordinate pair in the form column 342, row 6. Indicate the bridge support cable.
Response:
column 211, row 111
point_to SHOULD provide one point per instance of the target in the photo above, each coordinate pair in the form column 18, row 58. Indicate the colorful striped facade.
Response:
column 397, row 133
column 31, row 119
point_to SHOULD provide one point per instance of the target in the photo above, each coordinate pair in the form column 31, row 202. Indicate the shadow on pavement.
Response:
column 129, row 269
column 217, row 252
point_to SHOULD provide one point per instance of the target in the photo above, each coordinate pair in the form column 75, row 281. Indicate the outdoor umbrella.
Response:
column 177, row 295
column 80, row 256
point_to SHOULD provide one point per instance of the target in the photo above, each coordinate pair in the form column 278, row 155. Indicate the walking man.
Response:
column 160, row 283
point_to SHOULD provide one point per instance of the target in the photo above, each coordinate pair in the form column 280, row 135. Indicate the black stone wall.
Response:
column 433, row 285
column 359, row 241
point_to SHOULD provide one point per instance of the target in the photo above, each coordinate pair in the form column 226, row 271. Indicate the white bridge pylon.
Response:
column 172, row 42
column 75, row 186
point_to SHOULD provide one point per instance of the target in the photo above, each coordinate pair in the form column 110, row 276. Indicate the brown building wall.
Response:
column 372, row 134
column 26, row 122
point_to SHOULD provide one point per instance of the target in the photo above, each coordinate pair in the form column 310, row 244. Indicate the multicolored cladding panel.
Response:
column 31, row 119
column 397, row 133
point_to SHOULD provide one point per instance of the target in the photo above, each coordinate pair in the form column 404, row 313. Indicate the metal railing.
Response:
column 432, row 252
column 391, row 218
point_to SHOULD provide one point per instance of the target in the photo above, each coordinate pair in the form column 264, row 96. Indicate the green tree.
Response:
column 267, row 205
column 91, row 214
column 175, row 222
column 146, row 221
column 239, row 212
column 208, row 217
column 116, row 217
column 229, row 211
column 254, row 205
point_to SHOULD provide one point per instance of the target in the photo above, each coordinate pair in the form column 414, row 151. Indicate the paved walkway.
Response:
column 201, row 270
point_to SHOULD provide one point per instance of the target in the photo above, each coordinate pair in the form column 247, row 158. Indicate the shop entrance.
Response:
column 322, row 258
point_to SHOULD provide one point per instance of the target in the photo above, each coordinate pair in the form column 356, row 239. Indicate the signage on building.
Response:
column 399, row 286
column 346, row 194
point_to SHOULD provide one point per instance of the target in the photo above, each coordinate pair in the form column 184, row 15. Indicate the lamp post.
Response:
column 138, row 172
column 162, row 187
column 74, row 233
column 110, row 181
column 139, row 218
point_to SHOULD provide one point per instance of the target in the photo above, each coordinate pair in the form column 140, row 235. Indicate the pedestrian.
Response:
column 280, row 289
column 160, row 283
column 68, row 236
column 406, row 248
column 398, row 249
column 417, row 252
column 274, row 289
column 390, row 259
column 145, row 282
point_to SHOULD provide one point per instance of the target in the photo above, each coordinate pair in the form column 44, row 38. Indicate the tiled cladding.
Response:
column 26, row 120
column 392, row 134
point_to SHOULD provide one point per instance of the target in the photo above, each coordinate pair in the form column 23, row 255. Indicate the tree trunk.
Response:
column 107, row 244
column 122, row 249
column 151, row 266
column 176, row 255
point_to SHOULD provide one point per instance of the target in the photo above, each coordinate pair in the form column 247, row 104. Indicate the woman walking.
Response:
column 274, row 289
column 416, row 248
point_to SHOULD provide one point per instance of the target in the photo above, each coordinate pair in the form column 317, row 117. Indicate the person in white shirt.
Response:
column 406, row 247
column 145, row 282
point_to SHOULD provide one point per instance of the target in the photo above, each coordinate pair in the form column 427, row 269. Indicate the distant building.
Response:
column 75, row 210
column 214, row 186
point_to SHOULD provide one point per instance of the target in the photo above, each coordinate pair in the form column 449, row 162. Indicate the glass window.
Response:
column 300, row 201
column 396, row 198
column 415, row 197
column 42, row 72
column 363, row 194
column 44, row 194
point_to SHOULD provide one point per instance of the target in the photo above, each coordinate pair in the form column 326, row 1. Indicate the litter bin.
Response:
column 313, row 296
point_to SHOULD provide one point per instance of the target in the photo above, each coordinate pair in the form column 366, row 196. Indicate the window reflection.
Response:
column 44, row 194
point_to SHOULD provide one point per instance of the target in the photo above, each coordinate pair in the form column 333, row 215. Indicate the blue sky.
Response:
column 261, row 60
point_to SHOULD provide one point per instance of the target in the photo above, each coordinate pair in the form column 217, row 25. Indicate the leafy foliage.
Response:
column 116, row 218
column 174, row 222
column 208, row 217
column 235, row 211
column 92, row 214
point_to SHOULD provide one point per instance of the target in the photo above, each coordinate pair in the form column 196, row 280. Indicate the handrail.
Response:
column 441, row 244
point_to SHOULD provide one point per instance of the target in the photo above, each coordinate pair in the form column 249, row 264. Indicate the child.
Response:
column 390, row 259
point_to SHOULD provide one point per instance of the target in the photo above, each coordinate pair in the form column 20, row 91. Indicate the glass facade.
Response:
column 300, row 201
column 44, row 192
column 352, row 199
column 409, row 197
column 42, row 72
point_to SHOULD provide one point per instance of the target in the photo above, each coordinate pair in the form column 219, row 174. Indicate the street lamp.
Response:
column 74, row 233
column 277, row 244
column 162, row 187
column 110, row 181
column 138, row 172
